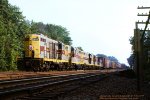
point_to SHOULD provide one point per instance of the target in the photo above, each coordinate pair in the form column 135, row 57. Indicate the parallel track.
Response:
column 25, row 87
column 4, row 84
column 58, row 92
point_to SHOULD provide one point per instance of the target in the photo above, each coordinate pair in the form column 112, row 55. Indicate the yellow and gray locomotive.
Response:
column 42, row 54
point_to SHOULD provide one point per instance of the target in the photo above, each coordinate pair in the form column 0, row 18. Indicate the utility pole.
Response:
column 138, row 63
column 138, row 47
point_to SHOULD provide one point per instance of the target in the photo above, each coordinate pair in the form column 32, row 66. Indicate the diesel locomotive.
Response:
column 43, row 54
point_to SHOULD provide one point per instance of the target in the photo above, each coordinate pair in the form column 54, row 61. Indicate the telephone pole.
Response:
column 138, row 47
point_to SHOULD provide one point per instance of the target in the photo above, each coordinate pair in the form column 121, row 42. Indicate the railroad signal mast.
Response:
column 138, row 47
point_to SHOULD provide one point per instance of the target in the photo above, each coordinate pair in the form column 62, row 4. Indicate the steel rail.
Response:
column 17, row 82
column 31, row 88
column 34, row 78
column 64, row 90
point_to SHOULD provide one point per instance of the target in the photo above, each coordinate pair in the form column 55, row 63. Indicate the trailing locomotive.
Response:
column 42, row 54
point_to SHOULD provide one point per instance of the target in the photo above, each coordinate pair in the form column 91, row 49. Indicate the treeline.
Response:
column 146, row 58
column 112, row 58
column 146, row 48
column 55, row 32
column 14, row 27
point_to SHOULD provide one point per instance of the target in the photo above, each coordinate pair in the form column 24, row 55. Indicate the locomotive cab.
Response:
column 31, row 46
column 31, row 53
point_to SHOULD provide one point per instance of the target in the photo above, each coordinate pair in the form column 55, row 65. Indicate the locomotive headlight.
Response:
column 30, row 47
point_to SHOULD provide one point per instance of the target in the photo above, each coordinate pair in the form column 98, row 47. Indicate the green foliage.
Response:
column 131, row 60
column 13, row 28
column 132, row 43
column 146, row 39
column 131, row 40
column 101, row 55
column 80, row 48
column 146, row 48
column 129, row 73
column 112, row 58
column 55, row 32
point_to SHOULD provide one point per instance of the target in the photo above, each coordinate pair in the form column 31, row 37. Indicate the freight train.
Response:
column 43, row 54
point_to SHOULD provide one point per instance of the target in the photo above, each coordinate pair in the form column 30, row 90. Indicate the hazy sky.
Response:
column 98, row 26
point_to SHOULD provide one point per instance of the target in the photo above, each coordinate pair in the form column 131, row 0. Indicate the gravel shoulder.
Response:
column 111, row 88
column 18, row 74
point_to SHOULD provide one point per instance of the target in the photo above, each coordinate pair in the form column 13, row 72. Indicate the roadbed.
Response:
column 114, row 87
column 22, row 74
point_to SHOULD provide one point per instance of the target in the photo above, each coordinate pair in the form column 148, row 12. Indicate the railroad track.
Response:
column 5, row 84
column 57, row 92
column 28, row 87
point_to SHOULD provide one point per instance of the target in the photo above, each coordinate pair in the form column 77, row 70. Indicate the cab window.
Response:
column 35, row 39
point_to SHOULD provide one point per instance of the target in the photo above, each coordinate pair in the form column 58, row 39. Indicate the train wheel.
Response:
column 47, row 67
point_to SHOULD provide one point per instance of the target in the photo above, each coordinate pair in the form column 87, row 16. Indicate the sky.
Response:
column 98, row 26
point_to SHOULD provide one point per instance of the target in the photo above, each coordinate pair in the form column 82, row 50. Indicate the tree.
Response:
column 12, row 30
column 112, row 58
column 101, row 55
column 38, row 27
column 131, row 60
column 55, row 32
column 80, row 48
column 146, row 43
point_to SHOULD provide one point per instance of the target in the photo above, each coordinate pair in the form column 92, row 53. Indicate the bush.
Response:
column 129, row 73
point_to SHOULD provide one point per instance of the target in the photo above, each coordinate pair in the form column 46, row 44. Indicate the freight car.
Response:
column 42, row 54
column 108, row 63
